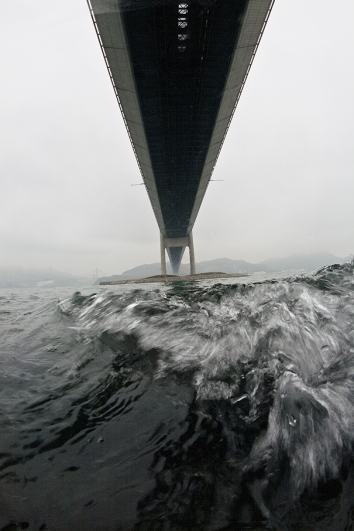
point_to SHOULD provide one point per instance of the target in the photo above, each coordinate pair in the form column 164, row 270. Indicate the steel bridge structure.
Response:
column 178, row 69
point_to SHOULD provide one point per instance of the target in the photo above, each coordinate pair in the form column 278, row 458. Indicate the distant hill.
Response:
column 302, row 262
column 17, row 277
column 308, row 262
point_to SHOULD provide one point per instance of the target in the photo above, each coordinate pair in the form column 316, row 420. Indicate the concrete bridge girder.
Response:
column 178, row 71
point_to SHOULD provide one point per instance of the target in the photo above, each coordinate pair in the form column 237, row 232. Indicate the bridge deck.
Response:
column 178, row 69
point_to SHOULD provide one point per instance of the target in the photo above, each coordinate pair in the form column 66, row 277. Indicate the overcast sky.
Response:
column 66, row 165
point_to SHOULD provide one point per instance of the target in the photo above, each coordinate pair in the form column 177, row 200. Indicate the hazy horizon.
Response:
column 93, row 273
column 67, row 165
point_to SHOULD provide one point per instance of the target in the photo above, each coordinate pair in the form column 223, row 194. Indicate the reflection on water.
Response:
column 205, row 406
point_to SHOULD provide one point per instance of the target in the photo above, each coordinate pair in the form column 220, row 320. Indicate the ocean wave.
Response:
column 232, row 404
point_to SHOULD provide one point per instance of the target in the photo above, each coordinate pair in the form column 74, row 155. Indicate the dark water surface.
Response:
column 197, row 407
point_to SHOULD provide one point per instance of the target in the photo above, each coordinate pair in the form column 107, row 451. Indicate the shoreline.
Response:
column 173, row 278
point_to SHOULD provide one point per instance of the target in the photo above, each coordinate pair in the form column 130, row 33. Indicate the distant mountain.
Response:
column 146, row 270
column 308, row 262
column 303, row 262
column 226, row 265
column 17, row 277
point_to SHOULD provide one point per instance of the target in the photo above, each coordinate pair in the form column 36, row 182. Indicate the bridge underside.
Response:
column 178, row 69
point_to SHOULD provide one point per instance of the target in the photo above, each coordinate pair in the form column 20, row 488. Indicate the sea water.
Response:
column 191, row 406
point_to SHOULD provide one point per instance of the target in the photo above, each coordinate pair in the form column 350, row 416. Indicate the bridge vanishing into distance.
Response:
column 178, row 69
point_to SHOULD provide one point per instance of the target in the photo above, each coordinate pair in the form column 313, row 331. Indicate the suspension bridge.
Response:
column 178, row 69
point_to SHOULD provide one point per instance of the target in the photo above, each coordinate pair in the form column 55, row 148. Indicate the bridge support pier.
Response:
column 163, row 255
column 191, row 253
column 175, row 248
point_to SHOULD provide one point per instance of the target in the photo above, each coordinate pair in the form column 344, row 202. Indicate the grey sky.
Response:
column 66, row 165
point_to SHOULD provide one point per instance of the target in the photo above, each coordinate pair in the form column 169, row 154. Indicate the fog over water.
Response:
column 67, row 166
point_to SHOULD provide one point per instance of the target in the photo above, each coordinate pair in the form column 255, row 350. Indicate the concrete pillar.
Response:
column 191, row 253
column 163, row 254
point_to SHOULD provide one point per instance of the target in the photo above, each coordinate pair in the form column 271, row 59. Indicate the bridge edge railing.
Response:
column 115, row 89
column 242, row 86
